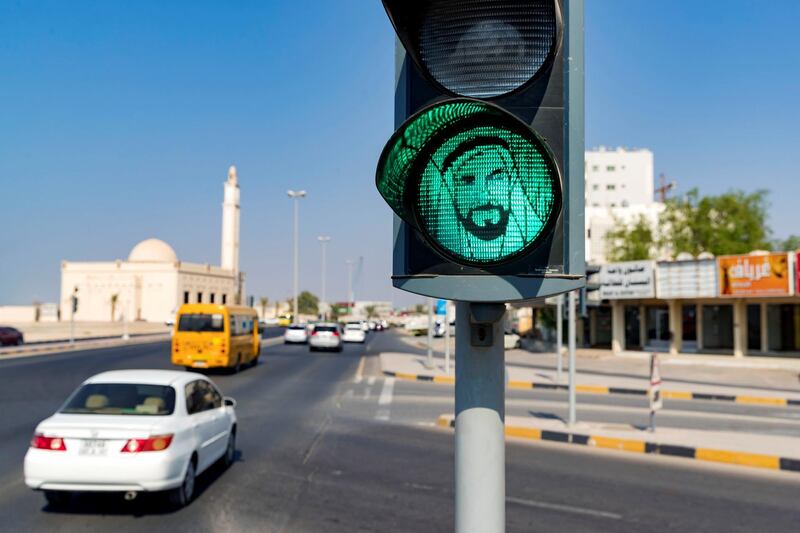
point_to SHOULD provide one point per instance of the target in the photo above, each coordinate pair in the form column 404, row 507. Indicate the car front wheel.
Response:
column 181, row 496
column 57, row 498
column 230, row 450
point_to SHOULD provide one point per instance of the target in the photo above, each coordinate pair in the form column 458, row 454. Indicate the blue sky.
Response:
column 118, row 121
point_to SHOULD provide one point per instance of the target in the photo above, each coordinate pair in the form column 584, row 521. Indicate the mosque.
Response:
column 152, row 283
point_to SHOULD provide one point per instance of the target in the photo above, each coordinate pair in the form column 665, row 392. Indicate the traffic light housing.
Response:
column 485, row 170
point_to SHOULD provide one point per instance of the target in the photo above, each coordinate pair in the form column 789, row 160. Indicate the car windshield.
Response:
column 297, row 328
column 121, row 399
column 353, row 326
column 201, row 322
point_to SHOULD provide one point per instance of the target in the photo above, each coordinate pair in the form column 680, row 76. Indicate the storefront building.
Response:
column 745, row 305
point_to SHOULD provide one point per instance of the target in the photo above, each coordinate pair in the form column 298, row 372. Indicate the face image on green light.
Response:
column 485, row 194
column 475, row 180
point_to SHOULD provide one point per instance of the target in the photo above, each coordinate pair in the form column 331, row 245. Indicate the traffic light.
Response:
column 485, row 169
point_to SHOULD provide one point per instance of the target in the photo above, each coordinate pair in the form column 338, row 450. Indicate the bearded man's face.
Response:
column 482, row 179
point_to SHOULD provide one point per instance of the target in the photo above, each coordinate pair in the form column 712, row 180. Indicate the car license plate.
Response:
column 92, row 447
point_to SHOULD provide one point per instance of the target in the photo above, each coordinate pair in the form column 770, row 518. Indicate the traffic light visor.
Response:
column 478, row 48
column 478, row 183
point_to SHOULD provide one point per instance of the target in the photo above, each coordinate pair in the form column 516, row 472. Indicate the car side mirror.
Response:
column 229, row 402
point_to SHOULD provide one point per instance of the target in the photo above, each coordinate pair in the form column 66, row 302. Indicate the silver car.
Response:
column 325, row 336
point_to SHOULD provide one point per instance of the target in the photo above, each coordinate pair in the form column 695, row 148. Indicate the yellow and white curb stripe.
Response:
column 757, row 460
column 602, row 389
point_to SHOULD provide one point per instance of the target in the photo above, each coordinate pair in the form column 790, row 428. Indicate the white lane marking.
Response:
column 360, row 370
column 371, row 380
column 385, row 399
column 386, row 392
column 563, row 508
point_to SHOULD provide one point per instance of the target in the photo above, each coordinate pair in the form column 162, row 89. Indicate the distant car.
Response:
column 379, row 326
column 133, row 431
column 353, row 332
column 510, row 340
column 325, row 336
column 10, row 336
column 271, row 321
column 296, row 334
column 364, row 326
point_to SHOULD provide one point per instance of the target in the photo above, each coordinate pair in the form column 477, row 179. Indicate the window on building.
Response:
column 186, row 297
column 224, row 299
column 624, row 204
column 611, row 187
column 211, row 298
column 589, row 233
column 595, row 168
column 595, row 187
column 596, row 204
column 611, row 168
column 199, row 297
column 613, row 204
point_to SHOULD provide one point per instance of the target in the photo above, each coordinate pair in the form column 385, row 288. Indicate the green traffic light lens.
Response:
column 476, row 181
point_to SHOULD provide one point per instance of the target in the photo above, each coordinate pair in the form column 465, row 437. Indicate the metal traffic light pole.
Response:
column 480, row 417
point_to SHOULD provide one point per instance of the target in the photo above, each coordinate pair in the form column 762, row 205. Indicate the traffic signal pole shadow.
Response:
column 480, row 418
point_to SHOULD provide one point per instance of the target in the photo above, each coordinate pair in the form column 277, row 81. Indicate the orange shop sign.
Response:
column 754, row 275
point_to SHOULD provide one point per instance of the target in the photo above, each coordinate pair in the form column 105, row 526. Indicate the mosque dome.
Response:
column 153, row 251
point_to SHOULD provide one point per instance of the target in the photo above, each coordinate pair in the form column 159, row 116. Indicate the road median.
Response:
column 758, row 451
column 410, row 366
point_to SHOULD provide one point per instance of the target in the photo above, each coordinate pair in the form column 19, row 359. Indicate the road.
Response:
column 322, row 448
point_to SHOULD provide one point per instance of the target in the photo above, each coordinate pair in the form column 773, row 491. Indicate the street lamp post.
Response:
column 296, row 195
column 323, row 240
column 350, row 264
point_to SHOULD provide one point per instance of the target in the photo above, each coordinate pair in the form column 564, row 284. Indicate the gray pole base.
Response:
column 480, row 414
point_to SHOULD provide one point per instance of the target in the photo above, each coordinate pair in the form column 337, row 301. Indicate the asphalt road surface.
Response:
column 324, row 448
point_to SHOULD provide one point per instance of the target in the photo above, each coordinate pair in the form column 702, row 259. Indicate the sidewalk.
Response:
column 27, row 350
column 762, row 451
column 521, row 374
column 684, row 375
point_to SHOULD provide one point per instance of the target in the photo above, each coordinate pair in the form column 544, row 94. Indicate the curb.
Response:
column 80, row 346
column 772, row 462
column 602, row 389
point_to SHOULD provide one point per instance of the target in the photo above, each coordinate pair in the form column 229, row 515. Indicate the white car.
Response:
column 353, row 332
column 132, row 431
column 296, row 334
column 325, row 336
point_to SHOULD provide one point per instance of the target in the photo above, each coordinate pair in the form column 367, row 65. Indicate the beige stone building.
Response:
column 153, row 282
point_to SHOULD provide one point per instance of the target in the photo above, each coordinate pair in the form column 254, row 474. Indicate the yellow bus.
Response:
column 213, row 336
column 285, row 319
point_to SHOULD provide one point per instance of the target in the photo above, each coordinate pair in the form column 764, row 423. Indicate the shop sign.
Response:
column 754, row 275
column 687, row 279
column 631, row 279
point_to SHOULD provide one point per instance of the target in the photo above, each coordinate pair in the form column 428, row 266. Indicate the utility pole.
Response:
column 429, row 362
column 296, row 196
column 559, row 335
column 447, row 336
column 73, row 305
column 571, row 348
column 323, row 240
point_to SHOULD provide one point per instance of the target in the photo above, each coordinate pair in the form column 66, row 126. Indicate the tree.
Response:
column 307, row 303
column 731, row 223
column 114, row 298
column 370, row 310
column 789, row 244
column 631, row 242
column 263, row 301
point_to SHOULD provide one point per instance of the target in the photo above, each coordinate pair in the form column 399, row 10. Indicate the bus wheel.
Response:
column 238, row 367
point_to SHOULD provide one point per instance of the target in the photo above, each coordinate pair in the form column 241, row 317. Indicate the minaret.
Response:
column 230, row 224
